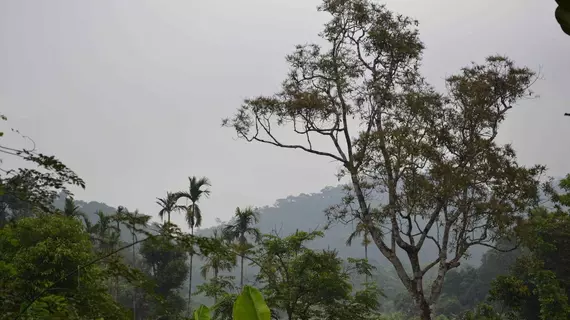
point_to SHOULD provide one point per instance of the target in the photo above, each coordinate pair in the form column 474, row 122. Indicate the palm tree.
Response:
column 89, row 228
column 135, row 221
column 119, row 217
column 168, row 205
column 360, row 230
column 218, row 260
column 242, row 227
column 106, row 234
column 70, row 209
column 103, row 229
column 198, row 187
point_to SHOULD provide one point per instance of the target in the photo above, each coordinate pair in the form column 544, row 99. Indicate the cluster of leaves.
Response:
column 37, row 256
column 35, row 187
column 562, row 14
column 539, row 285
column 307, row 284
column 249, row 305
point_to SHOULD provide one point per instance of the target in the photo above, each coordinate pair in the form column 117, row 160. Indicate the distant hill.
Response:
column 305, row 212
column 90, row 209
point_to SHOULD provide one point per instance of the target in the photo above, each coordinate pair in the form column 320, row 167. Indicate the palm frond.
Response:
column 350, row 238
column 204, row 270
column 255, row 233
column 168, row 204
column 193, row 216
column 198, row 186
column 70, row 209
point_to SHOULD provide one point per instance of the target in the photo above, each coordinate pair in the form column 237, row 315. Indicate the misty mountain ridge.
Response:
column 304, row 212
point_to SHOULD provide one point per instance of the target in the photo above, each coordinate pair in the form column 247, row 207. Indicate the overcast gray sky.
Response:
column 130, row 93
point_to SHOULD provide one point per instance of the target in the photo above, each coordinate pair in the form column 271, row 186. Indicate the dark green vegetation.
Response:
column 435, row 218
column 562, row 15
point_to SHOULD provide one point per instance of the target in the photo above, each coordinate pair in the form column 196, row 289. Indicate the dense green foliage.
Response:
column 562, row 14
column 426, row 184
column 40, row 253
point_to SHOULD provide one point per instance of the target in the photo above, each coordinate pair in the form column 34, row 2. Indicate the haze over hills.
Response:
column 302, row 212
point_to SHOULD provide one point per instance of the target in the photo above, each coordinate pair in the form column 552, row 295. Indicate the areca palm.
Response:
column 106, row 234
column 135, row 221
column 168, row 205
column 72, row 210
column 89, row 228
column 242, row 226
column 218, row 260
column 360, row 231
column 197, row 188
column 119, row 217
column 103, row 229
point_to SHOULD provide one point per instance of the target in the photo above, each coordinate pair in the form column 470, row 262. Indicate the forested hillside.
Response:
column 305, row 212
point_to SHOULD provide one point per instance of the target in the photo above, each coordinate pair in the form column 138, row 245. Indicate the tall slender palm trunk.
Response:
column 241, row 272
column 243, row 242
column 216, row 282
column 190, row 286
column 134, row 287
column 366, row 251
column 190, row 276
column 117, row 276
column 366, row 257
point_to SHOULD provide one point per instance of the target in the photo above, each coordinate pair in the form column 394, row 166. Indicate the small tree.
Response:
column 538, row 286
column 168, row 205
column 38, row 252
column 434, row 156
column 34, row 188
column 71, row 209
column 198, row 188
column 166, row 261
column 360, row 231
column 218, row 260
column 241, row 227
column 135, row 222
column 309, row 284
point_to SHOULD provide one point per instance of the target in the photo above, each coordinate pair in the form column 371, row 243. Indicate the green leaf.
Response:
column 251, row 306
column 202, row 313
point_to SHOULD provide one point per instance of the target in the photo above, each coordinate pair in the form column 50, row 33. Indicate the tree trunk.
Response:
column 216, row 282
column 190, row 278
column 387, row 250
column 425, row 309
column 190, row 286
column 134, row 287
column 366, row 253
column 241, row 272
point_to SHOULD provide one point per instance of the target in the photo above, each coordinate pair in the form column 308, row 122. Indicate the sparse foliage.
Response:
column 435, row 156
column 242, row 226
